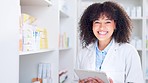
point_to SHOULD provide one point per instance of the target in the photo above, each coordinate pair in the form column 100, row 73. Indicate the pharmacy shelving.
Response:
column 34, row 52
column 146, row 39
column 139, row 16
column 146, row 43
column 62, row 49
column 36, row 2
column 67, row 32
column 57, row 21
column 46, row 13
column 63, row 14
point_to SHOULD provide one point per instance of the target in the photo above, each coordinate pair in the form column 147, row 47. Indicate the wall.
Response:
column 9, row 24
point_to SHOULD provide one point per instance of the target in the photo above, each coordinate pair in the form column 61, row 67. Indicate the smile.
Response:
column 102, row 32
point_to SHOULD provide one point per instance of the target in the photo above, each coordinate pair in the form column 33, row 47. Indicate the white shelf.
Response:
column 35, row 2
column 146, row 78
column 62, row 49
column 139, row 49
column 63, row 14
column 34, row 52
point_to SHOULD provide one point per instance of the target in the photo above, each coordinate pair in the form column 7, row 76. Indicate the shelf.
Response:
column 63, row 14
column 34, row 52
column 139, row 49
column 146, row 78
column 136, row 18
column 35, row 2
column 62, row 49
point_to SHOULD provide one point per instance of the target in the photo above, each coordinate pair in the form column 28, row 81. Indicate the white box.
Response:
column 138, row 11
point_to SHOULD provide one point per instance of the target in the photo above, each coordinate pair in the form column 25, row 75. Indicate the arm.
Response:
column 77, row 66
column 133, row 67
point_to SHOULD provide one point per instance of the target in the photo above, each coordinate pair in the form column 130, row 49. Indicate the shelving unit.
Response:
column 68, row 26
column 46, row 17
column 36, row 2
column 63, row 14
column 34, row 52
column 140, row 23
column 62, row 49
column 57, row 21
column 146, row 40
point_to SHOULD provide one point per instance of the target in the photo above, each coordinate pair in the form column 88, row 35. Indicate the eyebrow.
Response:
column 105, row 19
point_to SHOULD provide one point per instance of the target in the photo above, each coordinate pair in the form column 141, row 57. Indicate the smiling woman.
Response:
column 105, row 30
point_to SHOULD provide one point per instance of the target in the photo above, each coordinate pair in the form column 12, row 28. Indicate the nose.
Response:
column 102, row 26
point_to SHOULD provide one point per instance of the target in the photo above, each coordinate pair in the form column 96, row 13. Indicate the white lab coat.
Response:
column 122, row 62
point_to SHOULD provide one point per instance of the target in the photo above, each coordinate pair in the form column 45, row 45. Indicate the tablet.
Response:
column 82, row 74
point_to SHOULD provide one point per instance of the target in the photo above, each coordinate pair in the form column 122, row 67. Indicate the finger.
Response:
column 95, row 81
column 99, row 80
column 110, row 80
column 81, row 81
column 89, row 80
column 86, row 80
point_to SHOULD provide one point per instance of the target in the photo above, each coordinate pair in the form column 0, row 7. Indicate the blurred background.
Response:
column 39, row 38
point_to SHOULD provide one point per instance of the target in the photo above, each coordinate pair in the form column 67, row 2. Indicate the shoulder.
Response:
column 88, row 48
column 82, row 52
column 127, row 46
column 128, row 50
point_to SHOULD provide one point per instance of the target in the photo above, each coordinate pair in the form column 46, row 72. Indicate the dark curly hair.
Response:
column 112, row 11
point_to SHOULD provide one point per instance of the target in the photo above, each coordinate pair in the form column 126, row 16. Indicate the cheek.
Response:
column 111, row 31
column 94, row 29
column 111, row 28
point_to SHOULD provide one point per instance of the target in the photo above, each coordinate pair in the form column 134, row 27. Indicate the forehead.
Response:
column 103, row 17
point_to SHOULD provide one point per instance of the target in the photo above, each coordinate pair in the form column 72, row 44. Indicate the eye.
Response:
column 96, row 22
column 107, row 22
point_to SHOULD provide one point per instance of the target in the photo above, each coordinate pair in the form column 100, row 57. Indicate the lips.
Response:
column 102, row 32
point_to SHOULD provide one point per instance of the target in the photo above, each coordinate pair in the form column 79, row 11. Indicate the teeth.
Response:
column 103, row 32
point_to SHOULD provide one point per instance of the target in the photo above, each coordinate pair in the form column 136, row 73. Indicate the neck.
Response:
column 102, row 44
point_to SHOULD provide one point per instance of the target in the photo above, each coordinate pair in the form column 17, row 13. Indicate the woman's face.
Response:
column 103, row 28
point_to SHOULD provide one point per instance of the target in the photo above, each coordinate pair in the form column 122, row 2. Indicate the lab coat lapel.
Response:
column 110, row 54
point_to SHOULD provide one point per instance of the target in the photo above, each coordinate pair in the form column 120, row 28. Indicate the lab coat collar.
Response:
column 114, row 45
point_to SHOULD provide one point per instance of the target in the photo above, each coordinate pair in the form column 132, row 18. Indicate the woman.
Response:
column 105, row 30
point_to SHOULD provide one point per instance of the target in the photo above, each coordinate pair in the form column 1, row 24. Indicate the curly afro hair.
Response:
column 112, row 11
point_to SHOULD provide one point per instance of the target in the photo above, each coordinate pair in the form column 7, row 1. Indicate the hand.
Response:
column 93, row 80
column 110, row 80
